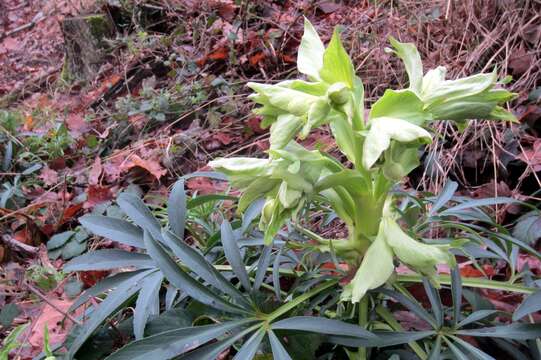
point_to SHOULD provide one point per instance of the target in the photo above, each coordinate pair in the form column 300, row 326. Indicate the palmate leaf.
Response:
column 182, row 280
column 201, row 267
column 211, row 352
column 169, row 344
column 107, row 307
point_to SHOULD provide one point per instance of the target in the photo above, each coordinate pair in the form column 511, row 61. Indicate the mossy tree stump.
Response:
column 85, row 45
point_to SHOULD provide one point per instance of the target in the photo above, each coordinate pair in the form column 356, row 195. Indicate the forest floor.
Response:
column 169, row 95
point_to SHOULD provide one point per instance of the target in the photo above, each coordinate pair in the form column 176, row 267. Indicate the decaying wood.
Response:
column 85, row 45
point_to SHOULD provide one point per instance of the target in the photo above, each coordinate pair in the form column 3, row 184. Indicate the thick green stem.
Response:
column 363, row 322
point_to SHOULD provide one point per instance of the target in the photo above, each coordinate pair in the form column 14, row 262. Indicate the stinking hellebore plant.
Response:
column 382, row 150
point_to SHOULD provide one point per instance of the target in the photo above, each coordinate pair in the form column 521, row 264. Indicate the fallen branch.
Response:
column 38, row 18
column 19, row 246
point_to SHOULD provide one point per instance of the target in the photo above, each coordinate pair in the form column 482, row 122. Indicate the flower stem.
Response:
column 363, row 322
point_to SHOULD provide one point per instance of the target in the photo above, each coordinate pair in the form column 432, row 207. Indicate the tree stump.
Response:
column 85, row 45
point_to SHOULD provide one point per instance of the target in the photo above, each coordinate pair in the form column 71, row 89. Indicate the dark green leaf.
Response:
column 251, row 213
column 456, row 293
column 147, row 304
column 276, row 274
column 136, row 209
column 176, row 209
column 445, row 195
column 203, row 199
column 435, row 301
column 106, row 259
column 528, row 227
column 232, row 253
column 479, row 202
column 435, row 353
column 322, row 325
column 72, row 249
column 211, row 352
column 278, row 350
column 411, row 305
column 59, row 240
column 382, row 338
column 249, row 348
column 262, row 265
column 172, row 319
column 478, row 354
column 169, row 344
column 106, row 309
column 101, row 287
column 73, row 287
column 114, row 229
column 455, row 350
column 208, row 174
column 182, row 280
column 476, row 316
column 531, row 304
column 476, row 300
column 200, row 266
column 512, row 331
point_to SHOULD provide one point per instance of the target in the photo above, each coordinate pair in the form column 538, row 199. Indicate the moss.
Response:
column 65, row 74
column 99, row 26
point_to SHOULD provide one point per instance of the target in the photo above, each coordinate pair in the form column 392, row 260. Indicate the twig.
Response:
column 44, row 298
column 17, row 245
column 38, row 18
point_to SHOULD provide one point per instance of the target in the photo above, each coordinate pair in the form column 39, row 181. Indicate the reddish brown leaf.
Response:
column 152, row 166
column 257, row 58
column 91, row 278
column 95, row 172
column 57, row 324
column 49, row 176
column 97, row 195
column 532, row 156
